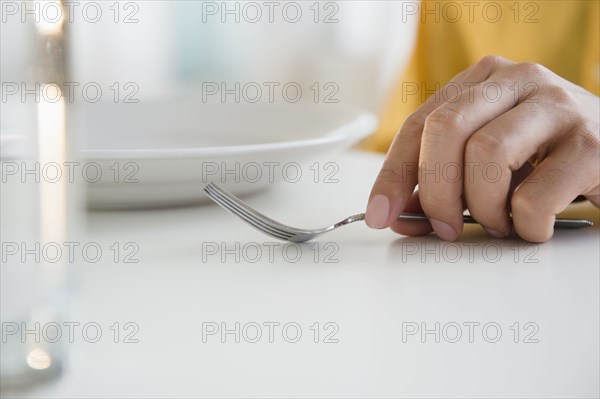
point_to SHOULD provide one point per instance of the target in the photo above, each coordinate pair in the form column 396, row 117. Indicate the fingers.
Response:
column 499, row 148
column 441, row 162
column 412, row 228
column 450, row 147
column 570, row 169
column 399, row 174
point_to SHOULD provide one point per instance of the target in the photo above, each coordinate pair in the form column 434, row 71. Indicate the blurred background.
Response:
column 171, row 47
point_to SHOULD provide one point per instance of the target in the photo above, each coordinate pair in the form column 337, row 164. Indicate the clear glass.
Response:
column 37, row 201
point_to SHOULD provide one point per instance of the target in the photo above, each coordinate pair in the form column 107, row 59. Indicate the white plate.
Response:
column 162, row 154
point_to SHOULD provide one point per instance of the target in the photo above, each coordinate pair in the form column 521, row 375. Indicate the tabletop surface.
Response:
column 216, row 309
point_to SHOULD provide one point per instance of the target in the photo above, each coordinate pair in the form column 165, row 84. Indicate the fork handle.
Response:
column 559, row 223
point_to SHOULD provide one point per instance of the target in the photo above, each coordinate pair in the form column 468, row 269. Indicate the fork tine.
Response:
column 247, row 215
column 248, row 210
column 231, row 206
column 256, row 225
column 253, row 222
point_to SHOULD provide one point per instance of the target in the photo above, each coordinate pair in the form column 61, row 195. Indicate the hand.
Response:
column 468, row 146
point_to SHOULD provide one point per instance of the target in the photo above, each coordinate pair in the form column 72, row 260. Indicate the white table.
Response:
column 376, row 294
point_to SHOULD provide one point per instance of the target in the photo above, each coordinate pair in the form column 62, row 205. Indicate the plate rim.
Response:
column 363, row 123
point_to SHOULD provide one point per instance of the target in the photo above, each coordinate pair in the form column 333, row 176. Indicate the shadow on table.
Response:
column 475, row 246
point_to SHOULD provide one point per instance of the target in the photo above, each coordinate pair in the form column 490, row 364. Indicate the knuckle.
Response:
column 524, row 203
column 413, row 125
column 393, row 172
column 586, row 140
column 431, row 201
column 561, row 95
column 444, row 120
column 489, row 62
column 531, row 69
column 485, row 146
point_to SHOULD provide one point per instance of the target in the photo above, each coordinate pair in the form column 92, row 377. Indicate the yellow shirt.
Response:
column 452, row 35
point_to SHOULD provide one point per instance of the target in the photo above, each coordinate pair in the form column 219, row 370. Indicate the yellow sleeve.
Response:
column 562, row 35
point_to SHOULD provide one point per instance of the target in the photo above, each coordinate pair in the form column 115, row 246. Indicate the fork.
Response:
column 275, row 229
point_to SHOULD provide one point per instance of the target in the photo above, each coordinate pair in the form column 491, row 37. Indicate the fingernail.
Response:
column 494, row 233
column 443, row 230
column 378, row 211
